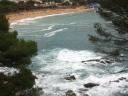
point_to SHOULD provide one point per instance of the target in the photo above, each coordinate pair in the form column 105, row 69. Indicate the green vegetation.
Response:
column 7, row 6
column 15, row 52
column 4, row 24
column 117, row 6
column 107, row 40
column 122, row 23
column 10, row 85
column 117, row 12
column 110, row 7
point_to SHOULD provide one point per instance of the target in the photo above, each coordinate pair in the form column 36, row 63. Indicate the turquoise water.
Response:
column 62, row 45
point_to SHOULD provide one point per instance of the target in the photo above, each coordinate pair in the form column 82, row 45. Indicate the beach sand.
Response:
column 13, row 17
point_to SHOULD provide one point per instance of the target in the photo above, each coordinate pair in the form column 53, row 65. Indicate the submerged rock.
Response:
column 104, row 60
column 90, row 85
column 83, row 90
column 115, row 81
column 119, row 79
column 70, row 93
column 122, row 78
column 70, row 77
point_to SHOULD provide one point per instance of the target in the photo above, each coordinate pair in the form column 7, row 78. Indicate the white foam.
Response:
column 77, row 56
column 8, row 71
column 60, row 62
column 28, row 20
column 52, row 33
column 23, row 22
column 106, row 79
column 107, row 87
column 72, row 23
column 49, row 28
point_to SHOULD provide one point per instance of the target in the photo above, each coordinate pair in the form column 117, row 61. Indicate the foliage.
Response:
column 14, row 51
column 30, row 2
column 112, row 43
column 107, row 39
column 122, row 23
column 7, row 6
column 21, row 51
column 7, row 40
column 10, row 85
column 4, row 24
column 24, row 79
column 115, row 5
column 120, row 19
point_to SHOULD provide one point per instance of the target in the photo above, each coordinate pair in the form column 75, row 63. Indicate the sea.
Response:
column 63, row 45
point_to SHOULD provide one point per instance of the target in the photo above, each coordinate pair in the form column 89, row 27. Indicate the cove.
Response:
column 62, row 46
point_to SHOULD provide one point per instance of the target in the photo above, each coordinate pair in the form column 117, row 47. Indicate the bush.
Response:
column 4, row 24
column 24, row 80
column 15, row 51
column 7, row 40
column 10, row 85
column 115, row 5
column 7, row 6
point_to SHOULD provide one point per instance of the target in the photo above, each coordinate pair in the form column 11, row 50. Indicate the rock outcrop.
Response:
column 70, row 93
column 90, row 85
column 70, row 77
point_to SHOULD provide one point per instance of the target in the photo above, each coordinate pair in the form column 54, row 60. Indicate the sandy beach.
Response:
column 13, row 17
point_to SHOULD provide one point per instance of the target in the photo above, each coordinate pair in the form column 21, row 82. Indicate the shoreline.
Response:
column 25, row 15
column 37, row 17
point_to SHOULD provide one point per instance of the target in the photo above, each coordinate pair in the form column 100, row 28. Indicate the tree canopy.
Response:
column 15, row 52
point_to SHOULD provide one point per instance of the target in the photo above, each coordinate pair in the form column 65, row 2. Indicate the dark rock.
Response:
column 102, row 62
column 122, row 78
column 97, row 60
column 83, row 61
column 90, row 85
column 85, row 95
column 119, row 79
column 70, row 93
column 70, row 77
column 115, row 81
column 121, row 71
column 109, row 61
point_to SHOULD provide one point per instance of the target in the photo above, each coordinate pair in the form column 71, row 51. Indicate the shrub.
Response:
column 15, row 51
column 4, row 24
column 7, row 6
column 10, row 85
